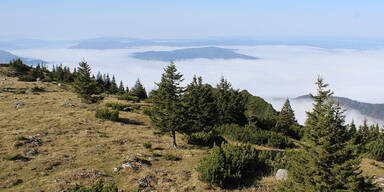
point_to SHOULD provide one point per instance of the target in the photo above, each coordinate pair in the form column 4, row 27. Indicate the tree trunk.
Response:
column 174, row 139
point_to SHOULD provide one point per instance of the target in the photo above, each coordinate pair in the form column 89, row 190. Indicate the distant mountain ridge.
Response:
column 191, row 53
column 6, row 57
column 371, row 110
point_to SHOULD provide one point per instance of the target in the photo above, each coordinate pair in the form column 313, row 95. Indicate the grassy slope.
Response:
column 77, row 148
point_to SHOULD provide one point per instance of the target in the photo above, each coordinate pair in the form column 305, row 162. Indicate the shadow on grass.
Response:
column 129, row 121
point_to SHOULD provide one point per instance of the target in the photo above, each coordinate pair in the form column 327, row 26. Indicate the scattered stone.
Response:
column 379, row 180
column 147, row 181
column 32, row 153
column 68, row 104
column 17, row 105
column 4, row 79
column 281, row 174
column 127, row 164
column 59, row 84
column 139, row 154
column 151, row 159
column 38, row 79
column 116, row 169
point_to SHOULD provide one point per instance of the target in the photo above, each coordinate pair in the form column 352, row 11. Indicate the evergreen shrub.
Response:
column 205, row 138
column 107, row 114
column 230, row 166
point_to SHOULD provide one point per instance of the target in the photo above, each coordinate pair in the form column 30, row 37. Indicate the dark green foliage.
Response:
column 254, row 135
column 128, row 97
column 84, row 85
column 98, row 187
column 171, row 157
column 376, row 149
column 115, row 106
column 121, row 89
column 203, row 138
column 19, row 67
column 259, row 112
column 138, row 90
column 27, row 78
column 62, row 74
column 230, row 166
column 167, row 114
column 328, row 161
column 106, row 114
column 230, row 104
column 199, row 104
column 287, row 124
column 113, row 89
column 147, row 145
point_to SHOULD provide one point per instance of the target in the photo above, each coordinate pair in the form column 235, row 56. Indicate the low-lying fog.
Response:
column 282, row 71
column 302, row 106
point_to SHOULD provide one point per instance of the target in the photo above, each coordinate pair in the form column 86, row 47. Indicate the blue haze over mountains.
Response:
column 124, row 43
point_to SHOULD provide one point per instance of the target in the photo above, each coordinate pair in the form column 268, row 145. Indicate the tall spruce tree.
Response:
column 121, row 88
column 230, row 104
column 138, row 90
column 84, row 85
column 286, row 122
column 199, row 104
column 167, row 113
column 328, row 162
column 113, row 89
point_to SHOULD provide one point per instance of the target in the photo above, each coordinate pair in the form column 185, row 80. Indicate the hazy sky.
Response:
column 80, row 19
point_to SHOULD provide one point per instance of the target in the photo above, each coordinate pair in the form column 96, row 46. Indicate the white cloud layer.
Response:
column 302, row 106
column 282, row 71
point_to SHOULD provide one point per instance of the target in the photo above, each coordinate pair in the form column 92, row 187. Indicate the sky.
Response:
column 75, row 19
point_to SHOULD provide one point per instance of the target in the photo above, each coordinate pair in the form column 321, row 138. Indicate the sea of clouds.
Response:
column 282, row 71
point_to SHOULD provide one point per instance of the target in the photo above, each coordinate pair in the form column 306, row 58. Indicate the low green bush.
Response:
column 147, row 145
column 205, row 138
column 106, row 114
column 28, row 78
column 171, row 157
column 115, row 106
column 230, row 166
column 20, row 91
column 98, row 187
column 128, row 97
column 254, row 135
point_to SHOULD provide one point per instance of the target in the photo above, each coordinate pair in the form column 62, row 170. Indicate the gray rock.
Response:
column 116, row 169
column 4, row 79
column 17, row 105
column 281, row 174
column 59, row 84
column 127, row 164
column 38, row 79
column 68, row 104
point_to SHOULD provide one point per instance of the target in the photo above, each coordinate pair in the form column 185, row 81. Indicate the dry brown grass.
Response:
column 74, row 147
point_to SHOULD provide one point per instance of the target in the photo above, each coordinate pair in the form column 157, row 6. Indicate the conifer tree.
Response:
column 138, row 90
column 328, row 162
column 127, row 89
column 166, row 113
column 113, row 89
column 286, row 122
column 121, row 88
column 230, row 104
column 84, row 85
column 199, row 104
